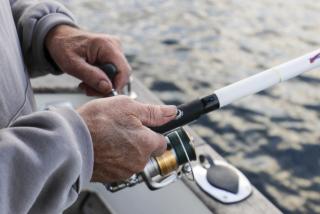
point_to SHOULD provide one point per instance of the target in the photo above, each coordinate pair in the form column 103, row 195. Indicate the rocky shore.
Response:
column 183, row 49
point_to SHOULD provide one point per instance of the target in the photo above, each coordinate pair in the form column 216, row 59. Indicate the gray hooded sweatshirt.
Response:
column 45, row 157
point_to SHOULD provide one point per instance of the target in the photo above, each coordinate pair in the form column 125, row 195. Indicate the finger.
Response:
column 92, row 76
column 124, row 72
column 160, row 149
column 112, row 54
column 108, row 50
column 90, row 91
column 155, row 115
column 117, row 42
column 155, row 142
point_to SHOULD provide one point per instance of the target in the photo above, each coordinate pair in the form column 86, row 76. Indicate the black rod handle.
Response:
column 186, row 113
column 189, row 112
column 111, row 71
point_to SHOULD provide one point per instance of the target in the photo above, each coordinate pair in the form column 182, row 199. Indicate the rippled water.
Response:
column 183, row 49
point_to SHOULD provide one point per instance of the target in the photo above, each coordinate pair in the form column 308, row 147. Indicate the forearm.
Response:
column 44, row 160
column 34, row 19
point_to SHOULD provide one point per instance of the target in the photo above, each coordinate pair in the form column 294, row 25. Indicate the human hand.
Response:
column 76, row 52
column 122, row 142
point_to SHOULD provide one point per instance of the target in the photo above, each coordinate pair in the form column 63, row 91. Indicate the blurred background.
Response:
column 183, row 49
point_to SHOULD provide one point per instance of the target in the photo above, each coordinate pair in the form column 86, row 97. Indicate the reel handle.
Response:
column 111, row 71
column 189, row 112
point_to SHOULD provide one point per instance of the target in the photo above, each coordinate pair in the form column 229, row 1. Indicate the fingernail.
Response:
column 104, row 86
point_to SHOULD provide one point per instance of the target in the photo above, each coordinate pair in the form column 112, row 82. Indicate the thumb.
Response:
column 92, row 76
column 156, row 115
column 89, row 90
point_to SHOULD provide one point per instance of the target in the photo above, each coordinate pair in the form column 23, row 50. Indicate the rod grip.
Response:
column 190, row 112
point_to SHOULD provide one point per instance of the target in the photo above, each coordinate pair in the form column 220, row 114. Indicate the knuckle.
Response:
column 153, row 114
column 109, row 39
column 153, row 142
column 150, row 112
column 161, row 142
column 100, row 40
column 115, row 39
column 103, row 39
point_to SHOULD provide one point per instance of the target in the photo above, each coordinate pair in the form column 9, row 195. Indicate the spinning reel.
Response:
column 167, row 168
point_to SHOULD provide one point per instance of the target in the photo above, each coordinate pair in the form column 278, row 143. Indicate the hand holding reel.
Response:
column 165, row 169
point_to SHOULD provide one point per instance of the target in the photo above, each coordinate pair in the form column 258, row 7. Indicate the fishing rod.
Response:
column 224, row 96
column 176, row 161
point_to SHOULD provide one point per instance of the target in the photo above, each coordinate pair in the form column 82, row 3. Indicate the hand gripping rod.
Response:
column 251, row 85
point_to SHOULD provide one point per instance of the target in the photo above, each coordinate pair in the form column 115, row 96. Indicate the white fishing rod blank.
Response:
column 251, row 85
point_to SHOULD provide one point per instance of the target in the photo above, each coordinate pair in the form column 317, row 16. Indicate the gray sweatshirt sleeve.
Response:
column 45, row 158
column 34, row 19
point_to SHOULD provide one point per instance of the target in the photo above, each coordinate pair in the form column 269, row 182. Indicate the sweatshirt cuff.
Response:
column 83, row 142
column 39, row 51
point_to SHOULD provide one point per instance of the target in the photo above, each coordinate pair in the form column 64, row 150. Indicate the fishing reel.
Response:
column 167, row 168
